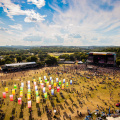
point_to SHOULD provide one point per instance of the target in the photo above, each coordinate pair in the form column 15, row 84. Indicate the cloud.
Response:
column 17, row 26
column 1, row 22
column 32, row 38
column 59, row 39
column 14, row 9
column 77, row 23
column 6, row 30
column 75, row 35
column 34, row 17
column 64, row 1
column 3, row 29
column 38, row 3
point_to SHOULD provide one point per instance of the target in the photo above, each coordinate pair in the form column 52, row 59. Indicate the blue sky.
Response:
column 60, row 22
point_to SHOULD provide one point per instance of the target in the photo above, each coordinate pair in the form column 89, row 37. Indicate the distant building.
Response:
column 102, row 58
column 69, row 62
column 18, row 66
column 80, row 62
column 1, row 57
column 65, row 62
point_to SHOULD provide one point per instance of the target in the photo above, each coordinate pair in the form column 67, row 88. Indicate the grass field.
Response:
column 56, row 55
column 86, row 89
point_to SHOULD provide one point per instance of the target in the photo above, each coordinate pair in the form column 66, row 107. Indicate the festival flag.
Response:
column 40, row 81
column 39, row 78
column 43, row 89
column 44, row 77
column 49, row 87
column 29, row 104
column 50, row 78
column 56, row 79
column 47, row 83
column 52, row 91
column 21, row 88
column 42, row 85
column 36, row 93
column 51, row 82
column 28, row 86
column 38, row 99
column 62, row 86
column 11, row 97
column 28, row 82
column 22, row 84
column 63, row 80
column 21, row 93
column 4, row 94
column 54, row 85
column 29, row 91
column 28, row 96
column 59, row 83
column 15, row 87
column 58, row 89
column 45, row 80
column 34, row 84
column 13, row 91
column 19, row 101
column 45, row 95
column 66, row 84
column 36, row 88
column 6, row 89
column 70, row 82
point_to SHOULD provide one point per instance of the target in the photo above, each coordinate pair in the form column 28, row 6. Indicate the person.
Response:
column 70, row 117
column 80, row 114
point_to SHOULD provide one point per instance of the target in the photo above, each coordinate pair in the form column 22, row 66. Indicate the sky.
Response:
column 60, row 22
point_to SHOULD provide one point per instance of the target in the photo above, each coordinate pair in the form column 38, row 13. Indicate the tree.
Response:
column 72, row 58
column 51, row 61
column 32, row 59
column 2, row 62
column 19, row 59
column 118, row 62
column 8, row 60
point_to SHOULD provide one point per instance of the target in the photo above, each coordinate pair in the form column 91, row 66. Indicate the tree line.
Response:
column 41, row 56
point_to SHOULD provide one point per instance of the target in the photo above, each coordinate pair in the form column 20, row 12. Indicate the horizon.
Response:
column 59, row 23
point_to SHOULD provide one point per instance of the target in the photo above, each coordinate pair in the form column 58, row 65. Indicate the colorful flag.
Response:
column 4, row 94
column 58, row 89
column 13, row 91
column 52, row 91
column 19, row 101
column 21, row 93
column 6, row 89
column 37, row 99
column 29, row 104
column 11, row 97
column 49, row 87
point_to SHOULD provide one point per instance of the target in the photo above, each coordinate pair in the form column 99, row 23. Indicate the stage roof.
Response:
column 102, row 53
column 20, row 64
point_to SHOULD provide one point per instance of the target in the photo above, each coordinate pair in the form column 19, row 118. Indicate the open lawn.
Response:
column 89, row 90
column 56, row 55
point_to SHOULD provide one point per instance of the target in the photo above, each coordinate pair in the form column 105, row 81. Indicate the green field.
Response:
column 56, row 55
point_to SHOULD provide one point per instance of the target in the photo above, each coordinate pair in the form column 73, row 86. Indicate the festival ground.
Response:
column 90, row 89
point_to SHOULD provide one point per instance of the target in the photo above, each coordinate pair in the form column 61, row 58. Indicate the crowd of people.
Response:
column 69, row 103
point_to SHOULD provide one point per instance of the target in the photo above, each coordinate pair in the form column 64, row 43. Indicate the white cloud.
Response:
column 1, row 22
column 38, row 3
column 5, row 30
column 17, row 26
column 33, row 17
column 14, row 9
column 64, row 1
column 82, row 23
